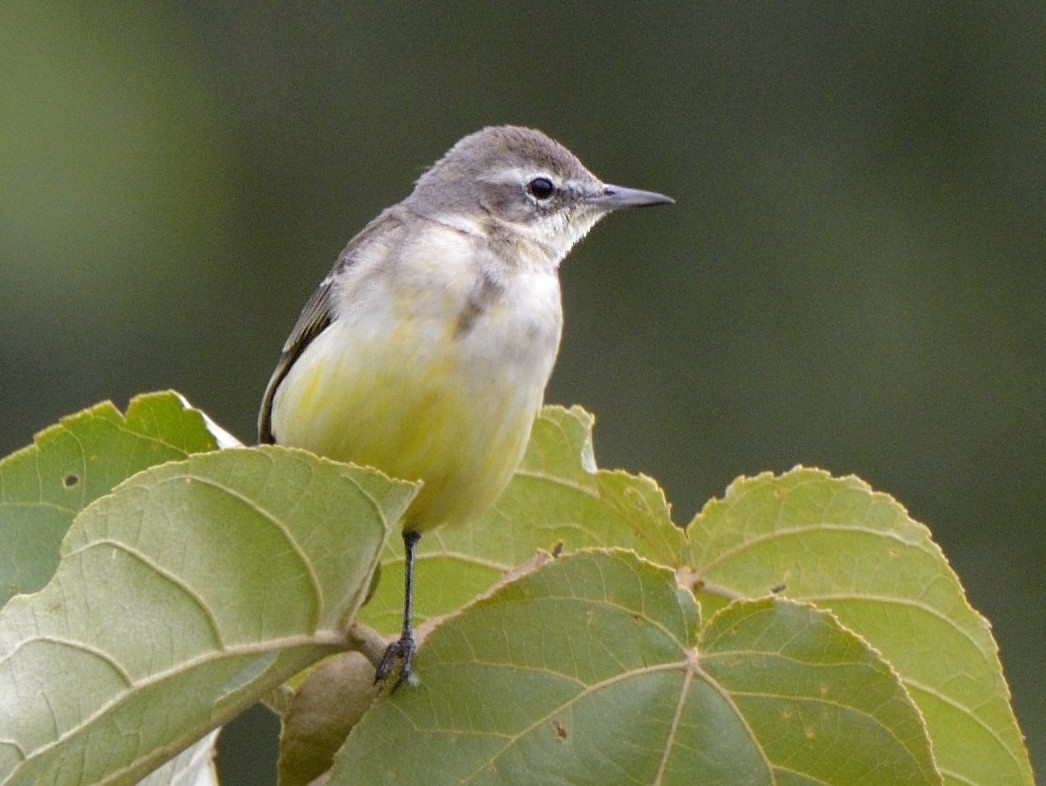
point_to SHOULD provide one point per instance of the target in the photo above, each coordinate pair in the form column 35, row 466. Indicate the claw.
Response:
column 400, row 650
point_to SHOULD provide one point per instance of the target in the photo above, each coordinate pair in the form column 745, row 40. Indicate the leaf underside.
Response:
column 590, row 671
column 801, row 630
column 183, row 596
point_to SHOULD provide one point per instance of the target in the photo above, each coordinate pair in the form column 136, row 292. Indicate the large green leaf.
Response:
column 557, row 499
column 833, row 542
column 71, row 464
column 836, row 543
column 191, row 590
column 197, row 586
column 591, row 670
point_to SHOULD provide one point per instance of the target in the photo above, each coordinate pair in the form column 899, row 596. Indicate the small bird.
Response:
column 426, row 350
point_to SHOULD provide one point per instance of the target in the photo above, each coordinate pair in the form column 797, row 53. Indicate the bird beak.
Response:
column 617, row 197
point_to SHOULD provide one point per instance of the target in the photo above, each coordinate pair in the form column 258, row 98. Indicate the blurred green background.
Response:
column 854, row 276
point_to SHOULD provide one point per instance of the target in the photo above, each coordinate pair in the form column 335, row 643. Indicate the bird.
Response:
column 426, row 350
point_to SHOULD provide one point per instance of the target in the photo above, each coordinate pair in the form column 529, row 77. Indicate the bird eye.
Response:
column 541, row 188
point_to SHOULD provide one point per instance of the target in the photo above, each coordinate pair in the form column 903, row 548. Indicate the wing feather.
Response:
column 314, row 319
column 318, row 314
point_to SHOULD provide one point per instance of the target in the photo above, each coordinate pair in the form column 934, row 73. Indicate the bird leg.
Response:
column 403, row 648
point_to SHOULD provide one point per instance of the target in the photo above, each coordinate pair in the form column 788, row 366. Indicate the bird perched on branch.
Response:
column 426, row 350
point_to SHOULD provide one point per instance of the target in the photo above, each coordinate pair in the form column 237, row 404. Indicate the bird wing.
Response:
column 317, row 316
column 313, row 320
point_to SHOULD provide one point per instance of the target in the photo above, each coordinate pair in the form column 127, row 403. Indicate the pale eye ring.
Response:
column 541, row 188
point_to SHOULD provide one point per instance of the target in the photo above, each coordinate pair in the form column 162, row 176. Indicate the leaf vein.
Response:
column 798, row 532
column 288, row 537
column 170, row 575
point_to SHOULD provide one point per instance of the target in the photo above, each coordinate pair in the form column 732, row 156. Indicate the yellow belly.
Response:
column 433, row 410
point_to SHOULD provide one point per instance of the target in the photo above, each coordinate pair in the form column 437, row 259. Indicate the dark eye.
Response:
column 541, row 188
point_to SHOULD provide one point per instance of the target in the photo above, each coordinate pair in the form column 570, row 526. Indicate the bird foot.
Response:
column 400, row 650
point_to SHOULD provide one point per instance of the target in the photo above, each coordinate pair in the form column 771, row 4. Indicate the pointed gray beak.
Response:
column 617, row 197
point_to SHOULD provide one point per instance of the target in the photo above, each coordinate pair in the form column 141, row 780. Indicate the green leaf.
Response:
column 590, row 670
column 557, row 500
column 192, row 589
column 69, row 465
column 837, row 544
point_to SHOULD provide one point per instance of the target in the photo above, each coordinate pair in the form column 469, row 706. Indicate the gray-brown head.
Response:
column 524, row 181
